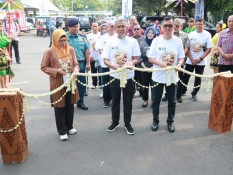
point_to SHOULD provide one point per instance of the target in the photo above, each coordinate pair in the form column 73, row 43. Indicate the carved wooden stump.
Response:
column 221, row 108
column 14, row 145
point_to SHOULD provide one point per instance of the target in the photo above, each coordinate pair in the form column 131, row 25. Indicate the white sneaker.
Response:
column 101, row 95
column 63, row 137
column 72, row 131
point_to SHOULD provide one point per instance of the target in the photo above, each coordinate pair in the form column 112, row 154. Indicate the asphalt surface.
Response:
column 192, row 150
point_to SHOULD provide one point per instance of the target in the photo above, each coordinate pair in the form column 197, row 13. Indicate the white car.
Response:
column 30, row 26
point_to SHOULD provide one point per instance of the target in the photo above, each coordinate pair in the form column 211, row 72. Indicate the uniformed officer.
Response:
column 81, row 48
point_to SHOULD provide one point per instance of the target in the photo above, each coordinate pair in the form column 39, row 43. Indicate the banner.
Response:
column 199, row 9
column 127, row 6
column 44, row 11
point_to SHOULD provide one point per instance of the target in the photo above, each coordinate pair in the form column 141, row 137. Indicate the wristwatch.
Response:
column 201, row 59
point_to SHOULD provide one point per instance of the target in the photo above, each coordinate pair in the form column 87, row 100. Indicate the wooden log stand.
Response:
column 221, row 108
column 14, row 144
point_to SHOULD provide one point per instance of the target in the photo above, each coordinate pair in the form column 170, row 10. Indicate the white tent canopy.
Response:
column 44, row 6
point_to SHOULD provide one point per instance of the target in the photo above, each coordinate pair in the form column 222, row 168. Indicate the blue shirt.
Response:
column 80, row 45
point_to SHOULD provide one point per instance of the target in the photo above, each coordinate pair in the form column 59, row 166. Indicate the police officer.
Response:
column 81, row 48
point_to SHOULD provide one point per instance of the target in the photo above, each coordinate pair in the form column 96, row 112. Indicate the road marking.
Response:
column 23, row 82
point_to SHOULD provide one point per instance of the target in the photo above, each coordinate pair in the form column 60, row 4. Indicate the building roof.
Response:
column 40, row 4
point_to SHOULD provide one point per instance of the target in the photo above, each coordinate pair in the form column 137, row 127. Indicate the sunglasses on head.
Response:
column 167, row 25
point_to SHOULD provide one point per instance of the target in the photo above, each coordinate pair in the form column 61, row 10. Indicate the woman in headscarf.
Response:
column 150, row 34
column 58, row 62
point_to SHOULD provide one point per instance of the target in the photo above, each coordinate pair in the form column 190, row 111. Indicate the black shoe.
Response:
column 144, row 104
column 85, row 94
column 18, row 62
column 129, row 129
column 113, row 127
column 82, row 106
column 154, row 126
column 106, row 105
column 179, row 99
column 194, row 97
column 164, row 98
column 171, row 127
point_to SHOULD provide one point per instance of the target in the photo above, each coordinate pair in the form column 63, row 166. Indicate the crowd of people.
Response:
column 115, row 44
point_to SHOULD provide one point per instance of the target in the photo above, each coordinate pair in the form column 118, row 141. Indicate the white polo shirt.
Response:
column 197, row 42
column 166, row 51
column 118, row 51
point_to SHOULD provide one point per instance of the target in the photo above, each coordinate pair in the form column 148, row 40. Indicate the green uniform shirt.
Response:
column 80, row 45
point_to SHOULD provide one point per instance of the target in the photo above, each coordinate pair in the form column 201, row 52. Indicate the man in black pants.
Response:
column 121, row 51
column 100, row 46
column 200, row 47
column 12, row 29
column 184, row 37
column 166, row 50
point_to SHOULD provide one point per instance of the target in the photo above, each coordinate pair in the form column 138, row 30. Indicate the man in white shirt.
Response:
column 200, row 47
column 121, row 51
column 166, row 50
column 100, row 46
column 92, row 38
column 12, row 29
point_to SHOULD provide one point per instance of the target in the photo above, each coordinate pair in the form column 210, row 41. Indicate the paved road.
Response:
column 192, row 150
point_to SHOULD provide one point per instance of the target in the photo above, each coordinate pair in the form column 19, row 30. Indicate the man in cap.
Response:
column 81, row 48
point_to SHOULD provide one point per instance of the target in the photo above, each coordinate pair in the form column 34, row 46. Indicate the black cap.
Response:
column 72, row 22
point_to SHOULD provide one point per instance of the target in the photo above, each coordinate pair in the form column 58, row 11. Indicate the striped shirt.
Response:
column 226, row 43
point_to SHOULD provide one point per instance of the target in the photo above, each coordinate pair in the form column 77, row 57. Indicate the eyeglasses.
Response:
column 123, row 26
column 112, row 26
column 136, row 29
column 167, row 25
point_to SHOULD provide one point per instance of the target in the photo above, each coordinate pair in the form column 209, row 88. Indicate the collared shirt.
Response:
column 14, row 30
column 80, row 45
column 226, row 43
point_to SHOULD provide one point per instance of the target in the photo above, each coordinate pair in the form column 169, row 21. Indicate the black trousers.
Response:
column 179, row 84
column 198, row 70
column 95, row 79
column 15, row 45
column 107, row 96
column 156, row 99
column 146, row 81
column 64, row 116
column 138, row 78
column 224, row 68
column 128, row 93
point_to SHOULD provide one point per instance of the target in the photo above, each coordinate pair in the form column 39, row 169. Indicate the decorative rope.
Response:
column 101, row 86
column 14, row 128
column 68, row 81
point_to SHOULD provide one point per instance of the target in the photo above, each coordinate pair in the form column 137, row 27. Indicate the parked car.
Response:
column 85, row 22
column 30, row 26
column 210, row 28
column 31, row 20
column 148, row 21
